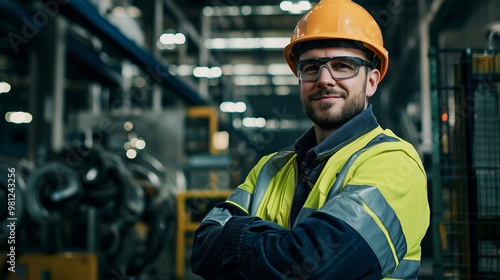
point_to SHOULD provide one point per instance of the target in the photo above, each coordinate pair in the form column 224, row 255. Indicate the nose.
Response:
column 325, row 77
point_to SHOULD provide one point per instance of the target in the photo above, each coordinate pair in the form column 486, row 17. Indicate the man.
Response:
column 350, row 200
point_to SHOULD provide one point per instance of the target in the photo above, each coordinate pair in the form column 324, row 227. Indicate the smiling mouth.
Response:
column 327, row 97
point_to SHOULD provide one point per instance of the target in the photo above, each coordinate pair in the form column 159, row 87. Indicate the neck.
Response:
column 322, row 134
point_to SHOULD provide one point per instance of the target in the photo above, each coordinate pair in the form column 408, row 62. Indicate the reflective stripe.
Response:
column 376, row 202
column 381, row 138
column 350, row 207
column 241, row 198
column 266, row 174
column 219, row 215
column 407, row 269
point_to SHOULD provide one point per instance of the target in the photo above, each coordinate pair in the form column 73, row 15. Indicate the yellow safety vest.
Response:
column 376, row 184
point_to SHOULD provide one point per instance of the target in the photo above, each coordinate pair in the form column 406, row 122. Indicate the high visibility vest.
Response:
column 376, row 184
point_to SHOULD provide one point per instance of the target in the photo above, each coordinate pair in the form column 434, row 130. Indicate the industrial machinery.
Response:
column 94, row 211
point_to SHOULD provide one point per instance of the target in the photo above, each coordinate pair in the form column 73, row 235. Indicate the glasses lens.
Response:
column 340, row 68
column 308, row 70
column 343, row 67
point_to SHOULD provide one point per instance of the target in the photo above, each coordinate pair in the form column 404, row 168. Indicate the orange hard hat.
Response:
column 338, row 19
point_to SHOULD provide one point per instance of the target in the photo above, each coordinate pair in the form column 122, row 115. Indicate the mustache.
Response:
column 328, row 91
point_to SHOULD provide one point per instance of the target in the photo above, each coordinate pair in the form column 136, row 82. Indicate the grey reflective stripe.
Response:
column 376, row 202
column 219, row 215
column 266, row 174
column 381, row 138
column 242, row 198
column 348, row 207
column 407, row 269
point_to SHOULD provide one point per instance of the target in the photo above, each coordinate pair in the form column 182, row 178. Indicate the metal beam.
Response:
column 83, row 13
column 189, row 28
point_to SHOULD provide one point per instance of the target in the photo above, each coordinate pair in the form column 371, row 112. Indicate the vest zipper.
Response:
column 306, row 178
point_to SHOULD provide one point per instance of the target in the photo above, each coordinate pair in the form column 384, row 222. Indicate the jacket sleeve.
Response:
column 322, row 247
column 207, row 245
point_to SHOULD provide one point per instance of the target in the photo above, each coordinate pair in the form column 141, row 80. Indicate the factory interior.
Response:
column 124, row 122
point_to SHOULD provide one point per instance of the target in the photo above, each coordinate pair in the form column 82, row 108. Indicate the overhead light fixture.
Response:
column 279, row 69
column 18, row 117
column 247, row 43
column 245, row 69
column 4, row 87
column 172, row 39
column 266, row 10
column 219, row 11
column 183, row 70
column 233, row 107
column 295, row 7
column 254, row 122
column 207, row 72
column 251, row 80
column 284, row 80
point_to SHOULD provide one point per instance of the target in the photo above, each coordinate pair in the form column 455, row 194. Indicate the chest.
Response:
column 310, row 184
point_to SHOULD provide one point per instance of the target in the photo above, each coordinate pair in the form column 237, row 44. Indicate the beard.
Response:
column 332, row 121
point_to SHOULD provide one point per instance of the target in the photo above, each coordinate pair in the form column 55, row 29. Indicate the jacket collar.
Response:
column 350, row 131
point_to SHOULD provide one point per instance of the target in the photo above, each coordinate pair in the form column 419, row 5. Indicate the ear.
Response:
column 372, row 82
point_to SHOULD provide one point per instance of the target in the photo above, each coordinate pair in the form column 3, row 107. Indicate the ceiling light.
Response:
column 254, row 122
column 265, row 10
column 279, row 69
column 243, row 69
column 247, row 43
column 206, row 72
column 296, row 7
column 171, row 38
column 215, row 72
column 304, row 5
column 282, row 90
column 246, row 10
column 162, row 46
column 185, row 70
column 18, row 117
column 233, row 107
column 4, row 87
column 208, row 11
column 284, row 80
column 251, row 80
column 286, row 5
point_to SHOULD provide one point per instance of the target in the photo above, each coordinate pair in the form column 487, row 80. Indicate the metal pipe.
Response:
column 425, row 85
column 59, row 29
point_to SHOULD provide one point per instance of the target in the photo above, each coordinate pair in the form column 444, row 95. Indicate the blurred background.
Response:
column 123, row 122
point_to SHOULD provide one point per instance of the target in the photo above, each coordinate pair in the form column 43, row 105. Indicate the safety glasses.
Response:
column 340, row 67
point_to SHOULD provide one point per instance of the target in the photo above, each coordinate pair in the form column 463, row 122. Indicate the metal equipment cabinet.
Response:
column 466, row 163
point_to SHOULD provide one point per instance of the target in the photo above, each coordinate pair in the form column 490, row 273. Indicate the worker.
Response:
column 349, row 199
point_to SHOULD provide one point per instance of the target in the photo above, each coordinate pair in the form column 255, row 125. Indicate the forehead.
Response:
column 332, row 51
